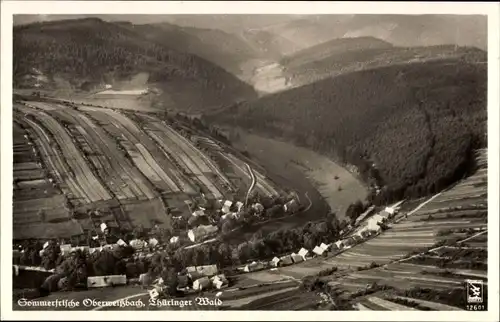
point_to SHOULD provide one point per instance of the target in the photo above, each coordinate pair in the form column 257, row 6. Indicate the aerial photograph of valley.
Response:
column 267, row 162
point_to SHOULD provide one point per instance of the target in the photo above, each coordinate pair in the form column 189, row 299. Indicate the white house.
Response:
column 121, row 242
column 339, row 244
column 228, row 203
column 239, row 205
column 275, row 261
column 103, row 281
column 201, row 284
column 138, row 244
column 220, row 281
column 254, row 266
column 325, row 246
column 199, row 233
column 303, row 252
column 318, row 250
column 174, row 240
column 103, row 227
column 65, row 248
column 207, row 270
column 45, row 245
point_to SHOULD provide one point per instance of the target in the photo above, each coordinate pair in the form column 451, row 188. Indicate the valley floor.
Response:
column 297, row 163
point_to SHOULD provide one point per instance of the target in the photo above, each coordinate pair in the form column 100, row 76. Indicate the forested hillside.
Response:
column 409, row 128
column 333, row 48
column 342, row 56
column 225, row 50
column 86, row 52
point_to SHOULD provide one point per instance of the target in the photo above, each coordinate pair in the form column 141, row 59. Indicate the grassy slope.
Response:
column 87, row 52
column 416, row 122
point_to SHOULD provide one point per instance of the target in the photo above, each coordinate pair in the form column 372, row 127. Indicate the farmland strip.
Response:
column 130, row 175
column 390, row 305
column 205, row 164
column 432, row 305
column 113, row 173
column 152, row 163
column 135, row 135
column 183, row 159
column 93, row 187
column 57, row 163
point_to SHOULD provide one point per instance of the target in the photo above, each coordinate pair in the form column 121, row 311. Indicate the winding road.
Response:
column 252, row 185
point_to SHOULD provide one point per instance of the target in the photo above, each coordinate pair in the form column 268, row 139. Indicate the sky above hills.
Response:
column 401, row 30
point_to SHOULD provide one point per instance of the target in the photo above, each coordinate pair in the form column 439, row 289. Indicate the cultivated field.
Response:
column 436, row 246
column 134, row 169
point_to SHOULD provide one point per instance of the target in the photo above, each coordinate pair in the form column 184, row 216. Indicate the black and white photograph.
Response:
column 322, row 161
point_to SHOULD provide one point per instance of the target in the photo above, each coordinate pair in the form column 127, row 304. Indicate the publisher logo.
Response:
column 474, row 291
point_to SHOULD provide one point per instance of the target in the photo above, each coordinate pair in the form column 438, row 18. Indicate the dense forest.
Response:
column 409, row 129
column 332, row 48
column 355, row 54
column 89, row 52
column 225, row 50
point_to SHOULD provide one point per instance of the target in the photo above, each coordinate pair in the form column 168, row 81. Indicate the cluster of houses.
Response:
column 370, row 228
column 227, row 209
column 193, row 279
column 205, row 277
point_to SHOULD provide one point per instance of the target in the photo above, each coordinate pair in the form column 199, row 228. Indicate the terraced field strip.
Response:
column 242, row 170
column 371, row 306
column 117, row 164
column 57, row 165
column 98, row 157
column 27, row 210
column 201, row 160
column 144, row 152
column 40, row 105
column 431, row 305
column 26, row 166
column 84, row 176
column 293, row 299
column 64, row 229
column 183, row 155
column 390, row 305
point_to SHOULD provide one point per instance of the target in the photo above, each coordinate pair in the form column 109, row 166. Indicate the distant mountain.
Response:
column 409, row 128
column 400, row 30
column 86, row 53
column 333, row 47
